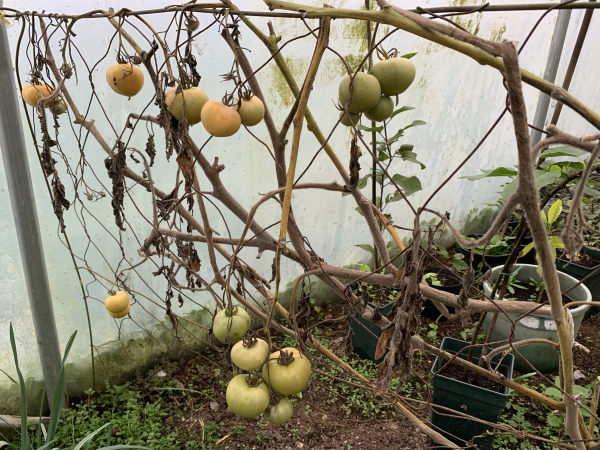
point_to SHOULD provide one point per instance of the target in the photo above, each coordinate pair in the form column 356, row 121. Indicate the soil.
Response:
column 456, row 372
column 321, row 420
column 525, row 295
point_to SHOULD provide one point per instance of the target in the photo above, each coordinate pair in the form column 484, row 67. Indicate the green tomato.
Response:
column 231, row 323
column 354, row 117
column 281, row 412
column 395, row 75
column 250, row 357
column 382, row 110
column 365, row 95
column 246, row 400
column 287, row 379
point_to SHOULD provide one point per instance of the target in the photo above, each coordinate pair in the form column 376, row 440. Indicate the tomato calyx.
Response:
column 229, row 312
column 254, row 380
column 249, row 341
column 285, row 358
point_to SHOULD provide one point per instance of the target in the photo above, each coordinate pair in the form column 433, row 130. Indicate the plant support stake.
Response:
column 20, row 188
column 556, row 48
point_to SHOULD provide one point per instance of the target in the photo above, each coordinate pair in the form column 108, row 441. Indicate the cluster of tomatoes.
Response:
column 286, row 372
column 218, row 119
column 128, row 79
column 32, row 93
column 372, row 92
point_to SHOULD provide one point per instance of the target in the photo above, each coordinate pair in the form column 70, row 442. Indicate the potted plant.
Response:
column 580, row 266
column 365, row 334
column 441, row 279
column 526, row 284
column 475, row 396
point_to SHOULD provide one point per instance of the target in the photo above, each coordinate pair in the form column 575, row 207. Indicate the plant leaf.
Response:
column 23, row 389
column 526, row 249
column 366, row 247
column 498, row 172
column 90, row 436
column 409, row 184
column 371, row 129
column 566, row 150
column 117, row 447
column 9, row 377
column 542, row 179
column 59, row 393
column 554, row 211
column 415, row 123
column 557, row 242
column 407, row 154
column 398, row 111
column 382, row 343
column 408, row 55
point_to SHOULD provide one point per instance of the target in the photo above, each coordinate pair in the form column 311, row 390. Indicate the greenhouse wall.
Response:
column 456, row 97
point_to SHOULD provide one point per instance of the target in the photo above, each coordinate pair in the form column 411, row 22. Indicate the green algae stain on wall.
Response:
column 276, row 81
column 497, row 32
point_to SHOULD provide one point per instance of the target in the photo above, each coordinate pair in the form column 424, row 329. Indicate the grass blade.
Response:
column 59, row 393
column 38, row 434
column 23, row 389
column 117, row 447
column 46, row 445
column 90, row 436
column 9, row 377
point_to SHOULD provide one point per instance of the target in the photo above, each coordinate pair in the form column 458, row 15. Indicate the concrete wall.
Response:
column 458, row 99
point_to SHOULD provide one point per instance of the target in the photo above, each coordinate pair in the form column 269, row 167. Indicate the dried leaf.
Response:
column 185, row 165
column 382, row 343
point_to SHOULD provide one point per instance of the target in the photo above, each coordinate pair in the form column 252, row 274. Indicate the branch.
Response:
column 528, row 196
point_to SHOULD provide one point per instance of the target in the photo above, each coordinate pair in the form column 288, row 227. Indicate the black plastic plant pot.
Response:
column 580, row 272
column 365, row 335
column 465, row 398
column 429, row 309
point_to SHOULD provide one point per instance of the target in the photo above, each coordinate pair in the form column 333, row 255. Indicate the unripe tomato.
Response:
column 250, row 354
column 281, row 412
column 287, row 373
column 58, row 106
column 382, row 110
column 195, row 99
column 395, row 75
column 365, row 95
column 232, row 323
column 355, row 117
column 251, row 111
column 246, row 400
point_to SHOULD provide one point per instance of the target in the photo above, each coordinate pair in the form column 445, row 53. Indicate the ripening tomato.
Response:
column 125, row 79
column 288, row 373
column 231, row 323
column 220, row 120
column 250, row 354
column 365, row 94
column 281, row 412
column 195, row 99
column 246, row 397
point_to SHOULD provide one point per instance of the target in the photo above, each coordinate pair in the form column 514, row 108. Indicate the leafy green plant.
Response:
column 513, row 282
column 498, row 245
column 50, row 436
column 432, row 278
column 554, row 241
column 432, row 334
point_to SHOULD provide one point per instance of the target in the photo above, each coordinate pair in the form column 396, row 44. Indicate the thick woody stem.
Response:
column 529, row 200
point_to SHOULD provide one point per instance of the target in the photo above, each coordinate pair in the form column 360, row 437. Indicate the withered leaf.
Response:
column 382, row 343
column 185, row 164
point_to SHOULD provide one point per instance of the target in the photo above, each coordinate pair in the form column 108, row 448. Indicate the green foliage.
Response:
column 520, row 414
column 54, row 436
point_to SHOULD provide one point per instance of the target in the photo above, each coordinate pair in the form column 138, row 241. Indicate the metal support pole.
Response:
column 556, row 48
column 20, row 188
